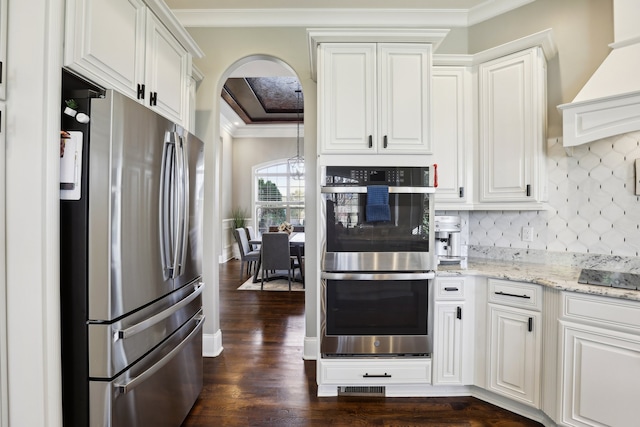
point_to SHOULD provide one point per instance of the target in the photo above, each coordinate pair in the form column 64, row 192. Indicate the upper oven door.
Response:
column 350, row 234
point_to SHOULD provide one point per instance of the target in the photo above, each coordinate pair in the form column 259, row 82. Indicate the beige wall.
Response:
column 249, row 152
column 582, row 30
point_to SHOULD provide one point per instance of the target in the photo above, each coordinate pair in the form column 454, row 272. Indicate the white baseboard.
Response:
column 310, row 351
column 212, row 344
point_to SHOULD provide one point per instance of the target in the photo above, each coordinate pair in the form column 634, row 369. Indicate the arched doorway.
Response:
column 258, row 124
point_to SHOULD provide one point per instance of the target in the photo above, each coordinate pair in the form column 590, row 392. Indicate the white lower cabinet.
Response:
column 514, row 360
column 447, row 354
column 600, row 361
column 515, row 341
column 453, row 340
column 375, row 372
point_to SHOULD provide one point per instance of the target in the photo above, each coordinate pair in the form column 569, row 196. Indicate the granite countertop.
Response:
column 561, row 277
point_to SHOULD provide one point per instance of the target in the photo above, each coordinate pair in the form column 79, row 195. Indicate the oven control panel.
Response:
column 392, row 176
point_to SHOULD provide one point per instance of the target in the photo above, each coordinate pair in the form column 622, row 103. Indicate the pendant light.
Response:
column 296, row 164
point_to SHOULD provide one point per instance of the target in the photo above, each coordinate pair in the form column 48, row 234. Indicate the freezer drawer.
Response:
column 159, row 390
column 113, row 347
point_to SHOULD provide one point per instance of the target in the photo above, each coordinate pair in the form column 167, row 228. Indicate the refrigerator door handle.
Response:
column 130, row 385
column 167, row 205
column 182, row 191
column 150, row 321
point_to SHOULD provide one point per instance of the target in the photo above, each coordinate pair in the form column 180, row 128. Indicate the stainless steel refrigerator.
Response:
column 131, row 251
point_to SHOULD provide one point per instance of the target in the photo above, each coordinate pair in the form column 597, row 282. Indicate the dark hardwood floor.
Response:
column 260, row 379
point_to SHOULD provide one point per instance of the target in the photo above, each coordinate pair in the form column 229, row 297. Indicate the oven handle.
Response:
column 426, row 275
column 392, row 189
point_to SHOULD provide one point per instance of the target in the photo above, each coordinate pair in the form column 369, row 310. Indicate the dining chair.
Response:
column 248, row 257
column 252, row 236
column 276, row 255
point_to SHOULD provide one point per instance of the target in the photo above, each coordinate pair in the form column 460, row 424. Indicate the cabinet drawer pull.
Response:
column 461, row 192
column 451, row 289
column 530, row 324
column 385, row 375
column 370, row 141
column 512, row 295
column 528, row 190
column 385, row 141
column 459, row 312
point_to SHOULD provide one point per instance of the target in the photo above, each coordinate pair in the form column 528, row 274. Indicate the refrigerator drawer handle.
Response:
column 127, row 387
column 378, row 276
column 147, row 323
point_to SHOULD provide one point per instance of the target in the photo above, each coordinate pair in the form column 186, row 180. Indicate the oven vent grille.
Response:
column 362, row 391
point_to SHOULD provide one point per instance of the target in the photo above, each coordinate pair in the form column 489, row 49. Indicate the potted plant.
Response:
column 71, row 108
column 239, row 217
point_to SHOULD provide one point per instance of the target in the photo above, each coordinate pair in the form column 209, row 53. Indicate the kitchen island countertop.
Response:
column 559, row 277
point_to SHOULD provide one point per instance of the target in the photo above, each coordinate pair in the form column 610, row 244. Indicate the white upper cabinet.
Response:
column 512, row 126
column 451, row 118
column 167, row 71
column 120, row 44
column 105, row 42
column 374, row 98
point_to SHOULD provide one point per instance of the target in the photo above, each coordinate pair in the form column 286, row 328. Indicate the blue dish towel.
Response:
column 378, row 203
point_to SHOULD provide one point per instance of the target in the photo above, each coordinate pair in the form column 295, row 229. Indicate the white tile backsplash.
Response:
column 592, row 204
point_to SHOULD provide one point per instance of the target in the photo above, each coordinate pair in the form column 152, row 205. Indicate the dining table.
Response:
column 296, row 243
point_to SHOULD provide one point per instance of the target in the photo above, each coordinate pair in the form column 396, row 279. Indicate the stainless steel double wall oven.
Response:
column 378, row 261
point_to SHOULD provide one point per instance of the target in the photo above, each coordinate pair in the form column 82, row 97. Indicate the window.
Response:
column 277, row 196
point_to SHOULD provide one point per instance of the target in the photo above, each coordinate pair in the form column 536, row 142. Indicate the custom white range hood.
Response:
column 609, row 103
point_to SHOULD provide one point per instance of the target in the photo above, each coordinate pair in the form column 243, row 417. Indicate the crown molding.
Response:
column 232, row 124
column 316, row 36
column 306, row 17
column 168, row 18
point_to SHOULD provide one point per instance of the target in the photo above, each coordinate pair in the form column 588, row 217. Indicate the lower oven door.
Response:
column 380, row 314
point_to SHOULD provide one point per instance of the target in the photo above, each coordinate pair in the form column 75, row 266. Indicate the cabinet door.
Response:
column 600, row 384
column 404, row 100
column 511, row 96
column 515, row 353
column 347, row 97
column 167, row 70
column 451, row 93
column 104, row 41
column 447, row 358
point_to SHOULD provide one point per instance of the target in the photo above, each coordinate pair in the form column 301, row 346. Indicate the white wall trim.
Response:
column 386, row 17
column 32, row 223
column 310, row 350
column 212, row 344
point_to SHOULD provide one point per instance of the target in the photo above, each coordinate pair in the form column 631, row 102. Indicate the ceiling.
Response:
column 263, row 92
column 260, row 100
